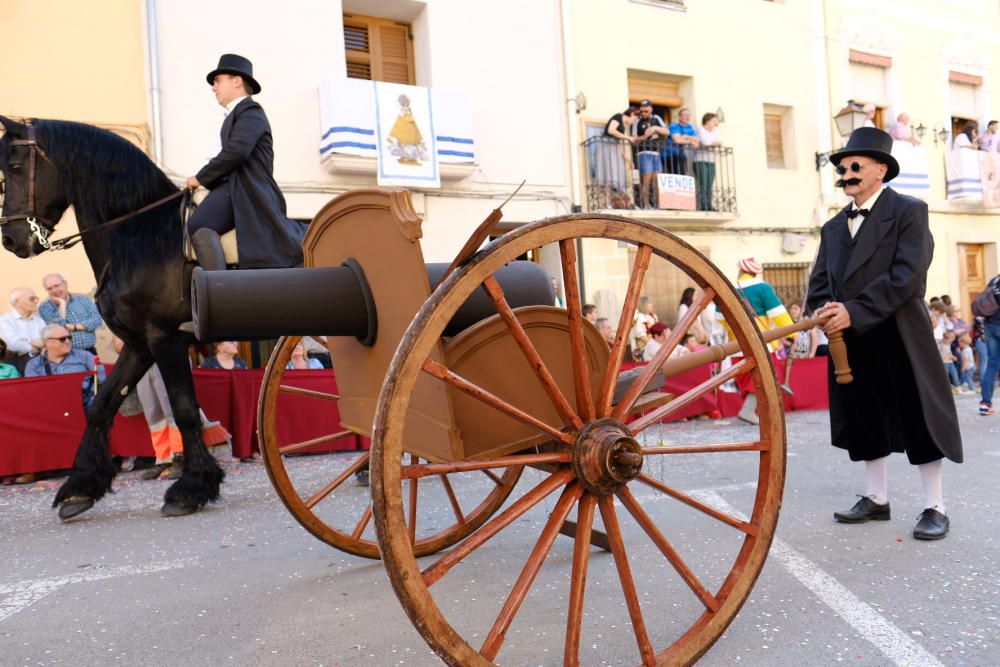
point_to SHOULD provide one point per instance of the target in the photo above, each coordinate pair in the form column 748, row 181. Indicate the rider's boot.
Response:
column 208, row 249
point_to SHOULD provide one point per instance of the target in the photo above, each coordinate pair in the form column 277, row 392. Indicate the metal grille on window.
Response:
column 789, row 280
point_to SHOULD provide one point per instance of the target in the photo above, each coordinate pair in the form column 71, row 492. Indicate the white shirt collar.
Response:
column 870, row 202
column 232, row 104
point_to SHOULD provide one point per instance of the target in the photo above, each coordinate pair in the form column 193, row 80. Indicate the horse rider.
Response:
column 243, row 194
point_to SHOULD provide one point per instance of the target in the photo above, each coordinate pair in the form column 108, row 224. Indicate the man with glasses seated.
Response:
column 869, row 279
column 74, row 311
column 60, row 358
column 21, row 327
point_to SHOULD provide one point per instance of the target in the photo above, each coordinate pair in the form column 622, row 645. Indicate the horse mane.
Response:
column 104, row 177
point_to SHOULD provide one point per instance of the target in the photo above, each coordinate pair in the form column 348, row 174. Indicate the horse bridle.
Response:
column 40, row 227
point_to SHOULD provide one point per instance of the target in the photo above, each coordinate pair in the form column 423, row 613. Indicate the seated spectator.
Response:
column 689, row 344
column 604, row 328
column 589, row 312
column 901, row 131
column 967, row 138
column 74, row 311
column 300, row 361
column 226, row 356
column 642, row 320
column 59, row 358
column 22, row 327
column 7, row 372
column 316, row 349
column 681, row 138
column 657, row 336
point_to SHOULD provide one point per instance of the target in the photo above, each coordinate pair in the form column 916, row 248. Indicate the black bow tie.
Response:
column 856, row 212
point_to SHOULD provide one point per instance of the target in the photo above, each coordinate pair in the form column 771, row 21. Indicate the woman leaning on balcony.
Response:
column 614, row 158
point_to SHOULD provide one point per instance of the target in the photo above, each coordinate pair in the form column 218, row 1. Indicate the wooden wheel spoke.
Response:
column 306, row 444
column 745, row 526
column 578, row 579
column 754, row 446
column 614, row 530
column 661, row 356
column 439, row 371
column 363, row 523
column 494, row 640
column 646, row 522
column 455, row 507
column 496, row 524
column 337, row 481
column 299, row 391
column 578, row 349
column 412, row 523
column 426, row 469
column 492, row 475
column 642, row 257
column 691, row 395
column 562, row 406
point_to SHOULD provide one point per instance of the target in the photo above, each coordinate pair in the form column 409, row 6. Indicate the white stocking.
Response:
column 878, row 480
column 933, row 493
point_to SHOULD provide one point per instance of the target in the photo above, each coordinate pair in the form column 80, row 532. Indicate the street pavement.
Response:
column 243, row 584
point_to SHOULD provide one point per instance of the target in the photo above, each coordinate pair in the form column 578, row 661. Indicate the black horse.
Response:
column 142, row 281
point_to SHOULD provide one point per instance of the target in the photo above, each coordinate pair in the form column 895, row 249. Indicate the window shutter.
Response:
column 378, row 49
column 772, row 141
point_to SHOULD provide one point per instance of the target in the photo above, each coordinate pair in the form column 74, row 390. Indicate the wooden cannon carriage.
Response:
column 467, row 387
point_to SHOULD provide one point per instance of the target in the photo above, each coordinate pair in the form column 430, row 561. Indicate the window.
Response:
column 378, row 49
column 789, row 280
column 869, row 82
column 669, row 4
column 778, row 138
column 963, row 98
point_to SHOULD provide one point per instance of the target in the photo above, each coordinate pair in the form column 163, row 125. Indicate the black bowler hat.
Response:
column 230, row 63
column 870, row 142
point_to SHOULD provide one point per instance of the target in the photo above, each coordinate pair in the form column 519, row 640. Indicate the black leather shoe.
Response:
column 864, row 510
column 932, row 525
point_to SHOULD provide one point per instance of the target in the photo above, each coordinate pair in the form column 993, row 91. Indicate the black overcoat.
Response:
column 264, row 234
column 880, row 276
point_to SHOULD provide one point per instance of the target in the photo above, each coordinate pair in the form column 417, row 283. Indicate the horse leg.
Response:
column 202, row 475
column 93, row 470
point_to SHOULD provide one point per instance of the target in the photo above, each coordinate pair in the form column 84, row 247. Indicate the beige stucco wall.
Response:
column 69, row 60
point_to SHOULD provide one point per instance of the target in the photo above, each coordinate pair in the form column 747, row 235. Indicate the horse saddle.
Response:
column 228, row 248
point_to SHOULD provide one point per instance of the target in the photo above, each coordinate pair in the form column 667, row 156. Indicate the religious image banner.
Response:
column 404, row 136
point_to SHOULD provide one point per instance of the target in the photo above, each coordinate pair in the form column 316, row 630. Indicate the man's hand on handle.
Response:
column 840, row 318
column 193, row 183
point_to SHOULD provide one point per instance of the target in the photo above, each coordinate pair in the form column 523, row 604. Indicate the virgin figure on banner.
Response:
column 405, row 141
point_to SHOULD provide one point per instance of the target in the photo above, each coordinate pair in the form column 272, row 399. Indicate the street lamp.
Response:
column 848, row 119
column 941, row 135
column 920, row 130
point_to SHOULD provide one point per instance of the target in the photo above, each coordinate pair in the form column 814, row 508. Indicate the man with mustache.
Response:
column 869, row 279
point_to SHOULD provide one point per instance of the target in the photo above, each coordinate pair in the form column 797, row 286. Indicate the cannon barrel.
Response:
column 259, row 304
column 838, row 351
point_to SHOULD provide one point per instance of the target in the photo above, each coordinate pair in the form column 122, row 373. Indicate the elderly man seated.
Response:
column 21, row 328
column 61, row 358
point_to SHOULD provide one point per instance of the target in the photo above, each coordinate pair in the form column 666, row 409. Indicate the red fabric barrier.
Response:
column 42, row 420
column 681, row 383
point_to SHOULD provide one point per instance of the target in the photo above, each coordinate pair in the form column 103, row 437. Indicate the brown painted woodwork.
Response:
column 301, row 504
column 598, row 538
column 414, row 471
column 582, row 532
column 513, row 383
column 972, row 276
column 838, row 354
column 745, row 526
column 581, row 375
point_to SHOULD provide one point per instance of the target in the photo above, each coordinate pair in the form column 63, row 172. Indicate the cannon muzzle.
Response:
column 260, row 304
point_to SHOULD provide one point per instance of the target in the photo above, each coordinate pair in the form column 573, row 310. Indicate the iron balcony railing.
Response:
column 658, row 175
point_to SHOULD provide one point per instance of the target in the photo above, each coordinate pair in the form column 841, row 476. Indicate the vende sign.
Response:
column 676, row 192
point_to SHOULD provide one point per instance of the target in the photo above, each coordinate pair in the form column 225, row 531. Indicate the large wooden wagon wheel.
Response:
column 346, row 525
column 598, row 466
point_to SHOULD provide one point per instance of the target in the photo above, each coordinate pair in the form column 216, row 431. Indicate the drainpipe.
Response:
column 572, row 127
column 154, row 82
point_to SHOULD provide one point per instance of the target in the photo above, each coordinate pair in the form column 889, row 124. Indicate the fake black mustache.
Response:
column 850, row 181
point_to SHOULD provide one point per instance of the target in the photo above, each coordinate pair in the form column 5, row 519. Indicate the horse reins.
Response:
column 42, row 227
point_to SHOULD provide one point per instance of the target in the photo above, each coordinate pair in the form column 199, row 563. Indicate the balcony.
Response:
column 665, row 181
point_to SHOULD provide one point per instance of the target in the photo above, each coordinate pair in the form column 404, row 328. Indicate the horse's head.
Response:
column 33, row 202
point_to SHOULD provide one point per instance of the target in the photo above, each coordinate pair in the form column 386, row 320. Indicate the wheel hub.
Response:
column 606, row 456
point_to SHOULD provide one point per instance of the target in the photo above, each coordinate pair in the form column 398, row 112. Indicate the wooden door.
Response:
column 972, row 275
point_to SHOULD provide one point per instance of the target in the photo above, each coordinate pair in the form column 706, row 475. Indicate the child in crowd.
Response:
column 967, row 361
column 939, row 319
column 944, row 347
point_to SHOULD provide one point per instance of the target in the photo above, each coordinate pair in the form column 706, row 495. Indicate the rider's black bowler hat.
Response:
column 230, row 63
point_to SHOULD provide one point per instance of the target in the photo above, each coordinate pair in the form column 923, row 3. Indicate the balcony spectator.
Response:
column 989, row 141
column 226, row 356
column 59, row 358
column 682, row 137
column 901, row 130
column 704, row 160
column 604, row 328
column 7, row 372
column 614, row 158
column 648, row 129
column 74, row 311
column 869, row 110
column 21, row 327
column 300, row 361
column 968, row 137
column 589, row 311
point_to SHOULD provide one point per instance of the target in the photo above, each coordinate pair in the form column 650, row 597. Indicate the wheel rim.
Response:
column 305, row 499
column 720, row 606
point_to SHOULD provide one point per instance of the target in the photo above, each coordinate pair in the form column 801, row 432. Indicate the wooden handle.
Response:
column 838, row 352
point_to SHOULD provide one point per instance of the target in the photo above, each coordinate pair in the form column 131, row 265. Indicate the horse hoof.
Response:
column 175, row 509
column 75, row 506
